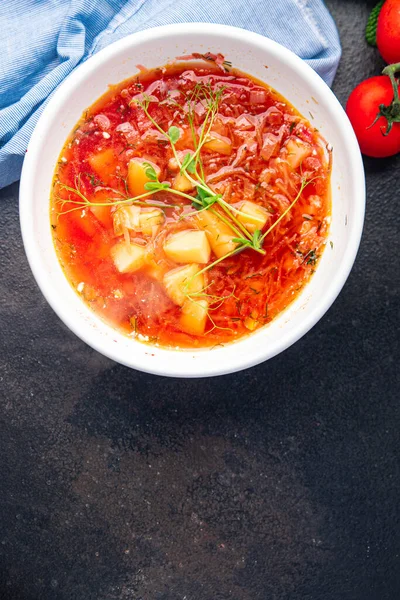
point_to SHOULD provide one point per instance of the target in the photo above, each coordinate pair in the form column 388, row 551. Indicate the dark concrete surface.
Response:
column 279, row 483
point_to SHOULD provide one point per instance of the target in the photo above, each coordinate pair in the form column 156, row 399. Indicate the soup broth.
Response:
column 191, row 204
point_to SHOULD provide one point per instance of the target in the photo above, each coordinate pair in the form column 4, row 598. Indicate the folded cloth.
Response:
column 44, row 40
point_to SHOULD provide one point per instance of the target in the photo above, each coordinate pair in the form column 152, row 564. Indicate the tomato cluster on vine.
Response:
column 373, row 106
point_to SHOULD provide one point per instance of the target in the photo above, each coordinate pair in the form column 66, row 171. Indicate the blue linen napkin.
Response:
column 42, row 41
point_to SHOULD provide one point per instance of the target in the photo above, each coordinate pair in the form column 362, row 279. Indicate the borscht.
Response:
column 191, row 204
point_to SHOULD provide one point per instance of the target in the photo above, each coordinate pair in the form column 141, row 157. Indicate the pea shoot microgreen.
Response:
column 173, row 134
column 188, row 164
column 254, row 242
column 123, row 199
column 150, row 172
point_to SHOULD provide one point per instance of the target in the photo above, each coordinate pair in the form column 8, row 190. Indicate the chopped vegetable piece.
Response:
column 126, row 217
column 194, row 316
column 101, row 209
column 182, row 183
column 297, row 151
column 85, row 222
column 102, row 214
column 219, row 233
column 250, row 323
column 189, row 246
column 258, row 96
column 144, row 220
column 150, row 220
column 270, row 145
column 128, row 257
column 180, row 283
column 104, row 164
column 137, row 177
column 218, row 143
column 253, row 216
column 155, row 270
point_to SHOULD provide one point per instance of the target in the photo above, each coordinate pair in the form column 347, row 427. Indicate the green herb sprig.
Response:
column 204, row 197
column 191, row 165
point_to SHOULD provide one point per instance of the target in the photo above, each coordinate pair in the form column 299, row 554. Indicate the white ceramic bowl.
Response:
column 251, row 53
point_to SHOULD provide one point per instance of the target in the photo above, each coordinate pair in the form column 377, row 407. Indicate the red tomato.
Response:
column 362, row 109
column 388, row 31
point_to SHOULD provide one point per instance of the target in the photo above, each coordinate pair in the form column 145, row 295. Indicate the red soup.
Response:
column 191, row 205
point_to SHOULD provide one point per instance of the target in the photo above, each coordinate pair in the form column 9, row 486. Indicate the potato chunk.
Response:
column 218, row 143
column 154, row 269
column 250, row 323
column 150, row 220
column 194, row 316
column 182, row 183
column 182, row 281
column 104, row 164
column 137, row 177
column 144, row 220
column 101, row 208
column 297, row 151
column 126, row 217
column 219, row 234
column 128, row 257
column 254, row 216
column 189, row 246
column 102, row 214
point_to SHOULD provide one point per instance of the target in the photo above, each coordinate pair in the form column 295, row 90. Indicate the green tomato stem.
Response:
column 390, row 71
column 391, row 112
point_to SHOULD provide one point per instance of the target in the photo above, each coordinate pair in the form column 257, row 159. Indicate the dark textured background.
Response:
column 279, row 483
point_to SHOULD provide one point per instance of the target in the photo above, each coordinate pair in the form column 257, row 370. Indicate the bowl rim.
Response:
column 213, row 367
